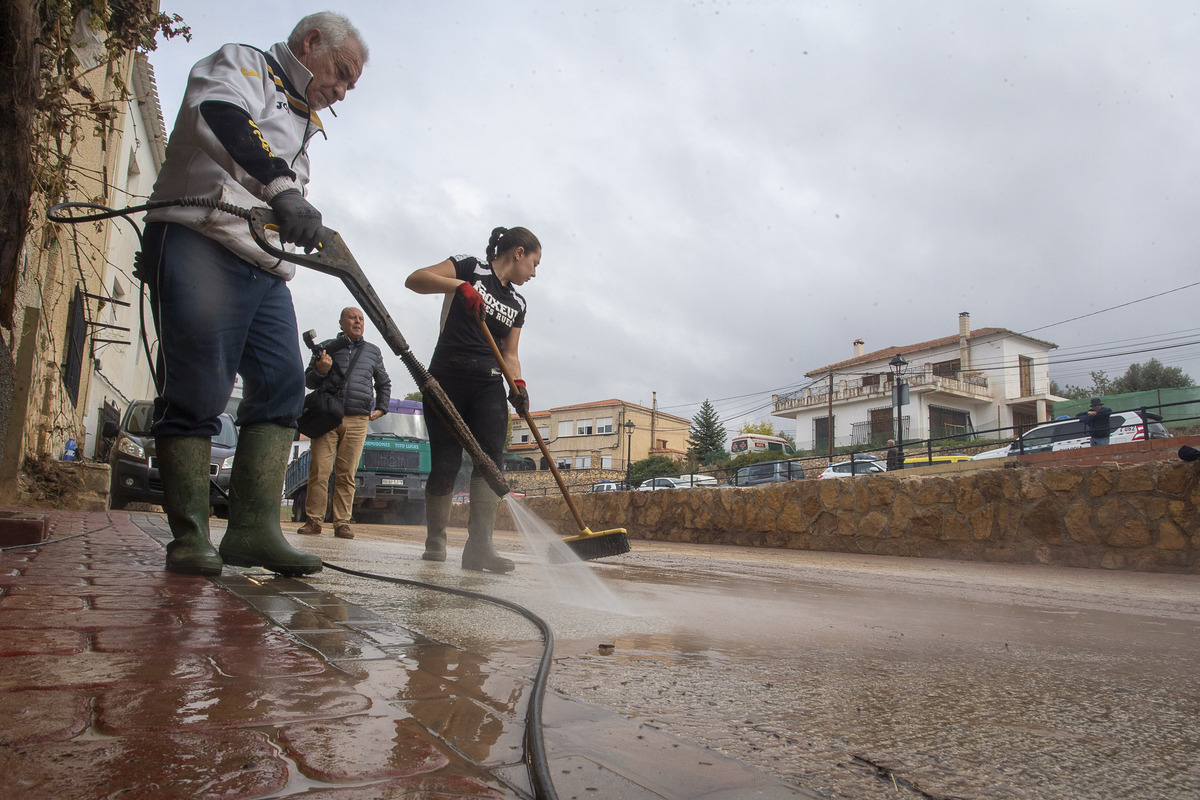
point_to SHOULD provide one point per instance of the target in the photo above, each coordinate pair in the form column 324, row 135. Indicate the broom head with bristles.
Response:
column 589, row 546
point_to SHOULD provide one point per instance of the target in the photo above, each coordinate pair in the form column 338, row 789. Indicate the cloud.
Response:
column 729, row 194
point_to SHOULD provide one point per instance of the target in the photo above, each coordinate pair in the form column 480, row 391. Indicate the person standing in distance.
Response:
column 1096, row 422
column 221, row 304
column 465, row 367
column 365, row 391
column 894, row 462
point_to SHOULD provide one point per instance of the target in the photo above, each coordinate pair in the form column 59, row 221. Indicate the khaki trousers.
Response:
column 338, row 450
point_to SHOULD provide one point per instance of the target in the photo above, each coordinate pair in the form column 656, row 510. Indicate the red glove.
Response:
column 519, row 397
column 471, row 298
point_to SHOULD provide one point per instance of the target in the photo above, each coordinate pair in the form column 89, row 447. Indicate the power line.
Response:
column 1112, row 308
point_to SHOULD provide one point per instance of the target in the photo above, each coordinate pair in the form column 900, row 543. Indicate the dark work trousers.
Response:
column 483, row 405
column 217, row 317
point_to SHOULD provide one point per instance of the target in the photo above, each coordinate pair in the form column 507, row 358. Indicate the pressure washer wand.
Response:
column 333, row 258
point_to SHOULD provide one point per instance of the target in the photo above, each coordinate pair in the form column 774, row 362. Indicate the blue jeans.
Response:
column 218, row 317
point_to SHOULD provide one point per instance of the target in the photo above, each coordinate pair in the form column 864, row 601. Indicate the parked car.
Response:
column 1071, row 434
column 923, row 460
column 134, row 461
column 610, row 486
column 857, row 466
column 768, row 472
column 655, row 484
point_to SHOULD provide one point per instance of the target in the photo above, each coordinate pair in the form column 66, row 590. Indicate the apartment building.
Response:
column 603, row 435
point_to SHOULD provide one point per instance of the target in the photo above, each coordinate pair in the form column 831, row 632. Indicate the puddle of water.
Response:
column 570, row 579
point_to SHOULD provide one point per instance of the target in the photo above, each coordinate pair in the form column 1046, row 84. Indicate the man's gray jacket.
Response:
column 367, row 388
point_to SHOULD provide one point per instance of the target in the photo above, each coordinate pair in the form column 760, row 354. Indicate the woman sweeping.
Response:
column 465, row 367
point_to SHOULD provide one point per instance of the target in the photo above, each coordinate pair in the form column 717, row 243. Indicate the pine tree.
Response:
column 706, row 437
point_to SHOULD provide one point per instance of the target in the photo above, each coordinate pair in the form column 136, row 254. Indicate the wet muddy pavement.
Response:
column 118, row 679
column 852, row 677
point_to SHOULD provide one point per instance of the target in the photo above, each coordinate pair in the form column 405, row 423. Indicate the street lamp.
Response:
column 898, row 364
column 629, row 426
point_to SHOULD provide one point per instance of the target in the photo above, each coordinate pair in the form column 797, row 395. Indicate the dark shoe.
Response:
column 343, row 532
column 311, row 527
column 479, row 555
column 437, row 515
column 254, row 538
column 183, row 468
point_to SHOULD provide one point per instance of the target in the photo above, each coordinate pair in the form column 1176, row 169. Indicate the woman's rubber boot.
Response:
column 254, row 537
column 183, row 468
column 479, row 555
column 437, row 517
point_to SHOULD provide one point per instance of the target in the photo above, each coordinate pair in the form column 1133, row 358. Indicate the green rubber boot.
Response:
column 479, row 555
column 437, row 516
column 254, row 538
column 183, row 468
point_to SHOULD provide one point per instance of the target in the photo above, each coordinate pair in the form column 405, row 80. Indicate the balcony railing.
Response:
column 962, row 384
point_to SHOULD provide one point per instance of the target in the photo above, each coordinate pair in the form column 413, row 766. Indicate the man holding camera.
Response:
column 356, row 366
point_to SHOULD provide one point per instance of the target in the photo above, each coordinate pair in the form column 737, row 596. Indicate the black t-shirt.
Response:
column 461, row 346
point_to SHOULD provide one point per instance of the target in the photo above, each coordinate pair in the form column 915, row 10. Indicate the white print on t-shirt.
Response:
column 502, row 312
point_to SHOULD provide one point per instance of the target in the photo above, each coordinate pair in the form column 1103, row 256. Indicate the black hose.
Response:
column 51, row 541
column 55, row 213
column 535, row 746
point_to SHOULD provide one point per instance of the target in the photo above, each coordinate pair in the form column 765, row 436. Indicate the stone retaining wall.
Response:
column 1138, row 516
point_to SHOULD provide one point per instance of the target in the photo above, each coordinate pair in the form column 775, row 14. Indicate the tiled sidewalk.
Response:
column 119, row 679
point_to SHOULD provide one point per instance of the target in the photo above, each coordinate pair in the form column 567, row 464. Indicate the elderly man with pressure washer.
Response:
column 355, row 367
column 221, row 304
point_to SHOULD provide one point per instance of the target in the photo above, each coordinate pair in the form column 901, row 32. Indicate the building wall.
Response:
column 56, row 260
column 121, row 372
column 651, row 428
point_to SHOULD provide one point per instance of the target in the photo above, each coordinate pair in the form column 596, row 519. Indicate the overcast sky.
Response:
column 728, row 194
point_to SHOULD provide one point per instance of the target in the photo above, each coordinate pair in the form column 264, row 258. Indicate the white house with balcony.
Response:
column 975, row 381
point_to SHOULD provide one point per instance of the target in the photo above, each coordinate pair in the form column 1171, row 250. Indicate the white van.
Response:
column 698, row 480
column 1071, row 434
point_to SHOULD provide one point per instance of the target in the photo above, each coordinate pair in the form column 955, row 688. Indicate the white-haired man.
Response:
column 221, row 304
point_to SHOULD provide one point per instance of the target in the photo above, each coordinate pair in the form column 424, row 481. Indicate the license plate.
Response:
column 391, row 481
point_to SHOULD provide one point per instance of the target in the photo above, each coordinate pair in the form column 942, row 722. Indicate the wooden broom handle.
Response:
column 512, row 387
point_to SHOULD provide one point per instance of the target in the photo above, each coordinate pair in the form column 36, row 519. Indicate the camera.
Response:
column 340, row 342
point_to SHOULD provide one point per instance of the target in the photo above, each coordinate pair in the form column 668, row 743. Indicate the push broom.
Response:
column 588, row 545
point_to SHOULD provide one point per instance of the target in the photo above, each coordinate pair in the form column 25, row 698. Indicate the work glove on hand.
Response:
column 299, row 221
column 471, row 298
column 519, row 397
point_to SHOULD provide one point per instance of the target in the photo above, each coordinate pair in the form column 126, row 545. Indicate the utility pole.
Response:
column 829, row 419
column 653, row 410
